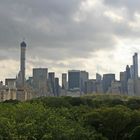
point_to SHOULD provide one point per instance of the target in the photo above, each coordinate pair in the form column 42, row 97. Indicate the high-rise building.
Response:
column 128, row 75
column 20, row 80
column 107, row 80
column 90, row 86
column 77, row 79
column 74, row 80
column 40, row 81
column 131, row 87
column 57, row 87
column 124, row 77
column 99, row 85
column 98, row 77
column 137, row 87
column 64, row 81
column 135, row 65
column 135, row 71
column 51, row 81
column 84, row 76
column 115, row 87
column 123, row 82
column 132, row 72
column 22, row 62
column 21, row 75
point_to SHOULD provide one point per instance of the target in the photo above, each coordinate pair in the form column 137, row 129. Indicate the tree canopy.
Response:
column 98, row 117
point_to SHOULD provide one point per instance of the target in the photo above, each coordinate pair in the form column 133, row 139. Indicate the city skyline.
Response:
column 29, row 74
column 96, row 36
column 74, row 83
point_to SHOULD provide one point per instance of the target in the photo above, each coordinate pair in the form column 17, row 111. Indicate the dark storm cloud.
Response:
column 51, row 31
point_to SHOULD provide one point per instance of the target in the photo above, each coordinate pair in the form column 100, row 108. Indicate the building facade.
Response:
column 77, row 79
column 40, row 76
column 51, row 83
column 74, row 80
column 64, row 81
column 107, row 80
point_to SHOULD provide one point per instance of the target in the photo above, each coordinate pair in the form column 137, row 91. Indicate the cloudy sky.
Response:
column 94, row 35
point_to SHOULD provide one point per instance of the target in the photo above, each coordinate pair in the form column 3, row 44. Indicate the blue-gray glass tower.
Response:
column 135, row 65
column 107, row 80
column 77, row 79
column 51, row 78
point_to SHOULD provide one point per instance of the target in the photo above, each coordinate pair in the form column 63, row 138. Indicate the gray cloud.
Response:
column 62, row 30
column 48, row 26
column 132, row 5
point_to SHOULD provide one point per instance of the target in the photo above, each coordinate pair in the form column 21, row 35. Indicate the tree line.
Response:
column 97, row 117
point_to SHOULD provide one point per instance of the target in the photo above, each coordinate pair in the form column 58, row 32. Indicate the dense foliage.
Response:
column 98, row 117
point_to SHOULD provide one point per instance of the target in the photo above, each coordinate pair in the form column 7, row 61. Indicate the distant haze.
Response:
column 94, row 35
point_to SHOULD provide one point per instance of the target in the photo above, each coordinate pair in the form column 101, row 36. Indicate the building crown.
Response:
column 23, row 44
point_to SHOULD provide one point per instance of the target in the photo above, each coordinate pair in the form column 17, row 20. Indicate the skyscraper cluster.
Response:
column 74, row 82
column 129, row 78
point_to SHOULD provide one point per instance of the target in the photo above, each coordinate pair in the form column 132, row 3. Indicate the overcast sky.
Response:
column 94, row 35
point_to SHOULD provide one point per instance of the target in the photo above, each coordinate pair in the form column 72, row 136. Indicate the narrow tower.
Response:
column 22, row 63
column 20, row 82
column 135, row 65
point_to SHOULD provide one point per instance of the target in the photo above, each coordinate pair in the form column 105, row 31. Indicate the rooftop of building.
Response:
column 23, row 44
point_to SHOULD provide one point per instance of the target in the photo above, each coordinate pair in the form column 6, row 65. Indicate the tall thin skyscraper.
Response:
column 20, row 80
column 64, row 81
column 57, row 87
column 22, row 63
column 135, row 71
column 132, row 72
column 51, row 78
column 128, row 76
column 98, row 77
column 135, row 65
